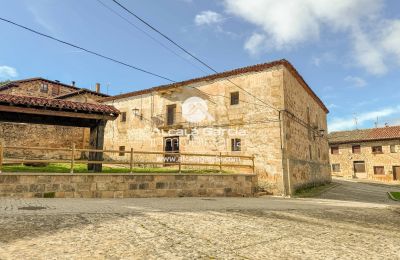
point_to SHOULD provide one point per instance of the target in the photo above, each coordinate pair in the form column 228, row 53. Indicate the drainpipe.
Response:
column 285, row 190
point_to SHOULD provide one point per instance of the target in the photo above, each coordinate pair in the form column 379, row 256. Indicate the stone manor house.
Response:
column 366, row 154
column 265, row 110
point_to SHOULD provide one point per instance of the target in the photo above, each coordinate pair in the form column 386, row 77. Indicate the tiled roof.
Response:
column 15, row 83
column 373, row 134
column 81, row 91
column 56, row 104
column 254, row 68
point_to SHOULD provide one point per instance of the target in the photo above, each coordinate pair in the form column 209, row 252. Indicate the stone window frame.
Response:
column 337, row 168
column 236, row 144
column 121, row 150
column 353, row 150
column 335, row 148
column 377, row 149
column 379, row 170
column 44, row 87
column 235, row 98
column 123, row 117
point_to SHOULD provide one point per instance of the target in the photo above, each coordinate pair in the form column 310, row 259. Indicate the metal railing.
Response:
column 176, row 158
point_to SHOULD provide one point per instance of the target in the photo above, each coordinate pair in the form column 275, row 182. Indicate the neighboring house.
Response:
column 46, row 135
column 283, row 125
column 366, row 154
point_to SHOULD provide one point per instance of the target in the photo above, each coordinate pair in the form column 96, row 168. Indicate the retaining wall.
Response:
column 125, row 185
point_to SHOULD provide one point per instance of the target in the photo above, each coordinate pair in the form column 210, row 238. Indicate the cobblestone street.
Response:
column 187, row 228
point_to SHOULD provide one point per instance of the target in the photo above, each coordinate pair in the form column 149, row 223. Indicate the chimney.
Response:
column 98, row 87
column 73, row 83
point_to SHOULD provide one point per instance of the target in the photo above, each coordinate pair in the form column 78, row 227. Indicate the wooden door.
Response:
column 396, row 173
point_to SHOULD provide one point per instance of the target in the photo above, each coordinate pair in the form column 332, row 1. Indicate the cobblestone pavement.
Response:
column 190, row 228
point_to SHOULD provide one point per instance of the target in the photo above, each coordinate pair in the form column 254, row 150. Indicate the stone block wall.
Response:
column 126, row 185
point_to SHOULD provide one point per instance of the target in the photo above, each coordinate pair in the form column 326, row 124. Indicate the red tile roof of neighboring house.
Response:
column 57, row 104
column 254, row 68
column 364, row 135
column 81, row 91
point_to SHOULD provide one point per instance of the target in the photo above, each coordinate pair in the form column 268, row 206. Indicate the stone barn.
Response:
column 266, row 110
column 23, row 134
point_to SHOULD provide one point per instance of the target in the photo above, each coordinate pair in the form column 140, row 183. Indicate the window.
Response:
column 123, row 116
column 335, row 150
column 136, row 113
column 393, row 148
column 121, row 150
column 379, row 170
column 356, row 148
column 310, row 151
column 171, row 110
column 336, row 167
column 55, row 90
column 236, row 144
column 359, row 166
column 377, row 149
column 44, row 88
column 234, row 98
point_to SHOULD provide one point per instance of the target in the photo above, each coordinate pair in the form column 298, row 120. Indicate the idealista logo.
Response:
column 195, row 110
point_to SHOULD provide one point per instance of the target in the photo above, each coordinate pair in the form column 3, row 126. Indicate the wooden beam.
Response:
column 55, row 113
column 96, row 142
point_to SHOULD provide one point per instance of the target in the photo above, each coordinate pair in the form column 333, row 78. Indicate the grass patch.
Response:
column 82, row 168
column 313, row 191
column 395, row 194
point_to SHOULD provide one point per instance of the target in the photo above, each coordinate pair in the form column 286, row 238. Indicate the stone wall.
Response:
column 126, row 185
column 32, row 88
column 387, row 159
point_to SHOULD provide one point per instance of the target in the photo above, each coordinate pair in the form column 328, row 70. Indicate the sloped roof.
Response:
column 15, row 83
column 56, row 104
column 81, row 91
column 253, row 68
column 364, row 135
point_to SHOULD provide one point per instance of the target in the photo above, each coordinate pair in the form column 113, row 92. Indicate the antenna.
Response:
column 377, row 122
column 355, row 120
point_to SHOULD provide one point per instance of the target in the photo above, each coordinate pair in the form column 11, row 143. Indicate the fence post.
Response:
column 1, row 155
column 131, row 161
column 180, row 162
column 73, row 158
column 220, row 162
column 252, row 159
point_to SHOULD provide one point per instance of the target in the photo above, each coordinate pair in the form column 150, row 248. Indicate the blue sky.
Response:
column 347, row 50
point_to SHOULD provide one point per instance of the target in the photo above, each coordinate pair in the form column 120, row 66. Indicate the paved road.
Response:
column 204, row 228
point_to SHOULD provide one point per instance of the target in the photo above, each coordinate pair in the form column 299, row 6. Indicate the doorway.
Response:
column 359, row 170
column 396, row 173
column 171, row 146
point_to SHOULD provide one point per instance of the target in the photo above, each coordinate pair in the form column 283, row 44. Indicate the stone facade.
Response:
column 343, row 160
column 126, row 185
column 45, row 135
column 285, row 140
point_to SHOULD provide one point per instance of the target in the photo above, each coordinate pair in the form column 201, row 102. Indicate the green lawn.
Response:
column 82, row 168
column 395, row 195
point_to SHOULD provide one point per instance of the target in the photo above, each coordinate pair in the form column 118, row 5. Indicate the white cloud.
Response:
column 7, row 72
column 208, row 18
column 338, row 124
column 285, row 24
column 356, row 81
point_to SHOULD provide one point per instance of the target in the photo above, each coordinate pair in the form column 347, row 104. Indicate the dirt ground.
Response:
column 352, row 220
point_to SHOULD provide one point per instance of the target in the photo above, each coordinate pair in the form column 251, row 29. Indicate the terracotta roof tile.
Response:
column 56, row 104
column 373, row 134
column 253, row 68
column 81, row 91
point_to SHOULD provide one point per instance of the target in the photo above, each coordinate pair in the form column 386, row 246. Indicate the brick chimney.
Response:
column 98, row 87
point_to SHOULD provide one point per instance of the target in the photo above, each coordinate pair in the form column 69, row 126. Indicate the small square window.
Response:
column 379, row 170
column 356, row 148
column 234, row 98
column 335, row 150
column 123, row 116
column 359, row 166
column 377, row 149
column 121, row 150
column 336, row 167
column 44, row 88
column 393, row 148
column 236, row 144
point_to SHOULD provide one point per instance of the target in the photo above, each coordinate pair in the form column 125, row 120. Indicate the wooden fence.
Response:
column 131, row 162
